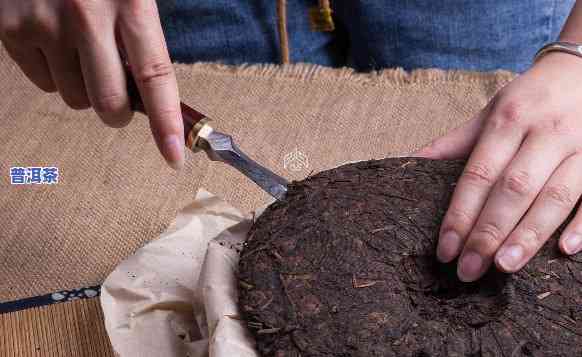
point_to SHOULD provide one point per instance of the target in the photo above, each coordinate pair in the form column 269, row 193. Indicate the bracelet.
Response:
column 566, row 47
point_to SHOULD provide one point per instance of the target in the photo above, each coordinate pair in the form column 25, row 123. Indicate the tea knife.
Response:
column 199, row 136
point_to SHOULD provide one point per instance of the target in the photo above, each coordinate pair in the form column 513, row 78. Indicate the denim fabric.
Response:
column 478, row 35
column 450, row 34
column 237, row 31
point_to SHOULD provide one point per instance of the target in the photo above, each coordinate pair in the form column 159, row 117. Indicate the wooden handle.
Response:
column 190, row 116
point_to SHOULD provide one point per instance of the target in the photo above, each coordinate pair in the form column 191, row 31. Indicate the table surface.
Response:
column 115, row 193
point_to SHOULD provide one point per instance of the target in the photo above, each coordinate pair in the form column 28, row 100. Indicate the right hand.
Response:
column 73, row 46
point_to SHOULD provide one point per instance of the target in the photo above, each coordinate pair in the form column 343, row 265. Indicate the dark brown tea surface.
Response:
column 345, row 266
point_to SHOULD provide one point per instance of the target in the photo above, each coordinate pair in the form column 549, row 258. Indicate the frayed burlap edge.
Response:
column 385, row 77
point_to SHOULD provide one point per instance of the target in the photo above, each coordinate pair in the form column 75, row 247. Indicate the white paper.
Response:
column 177, row 296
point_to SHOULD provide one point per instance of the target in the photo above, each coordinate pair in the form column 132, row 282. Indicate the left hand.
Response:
column 524, row 174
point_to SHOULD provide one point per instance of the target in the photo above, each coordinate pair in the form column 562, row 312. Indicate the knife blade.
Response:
column 200, row 136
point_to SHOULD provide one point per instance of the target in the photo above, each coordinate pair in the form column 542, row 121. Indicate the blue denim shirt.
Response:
column 478, row 35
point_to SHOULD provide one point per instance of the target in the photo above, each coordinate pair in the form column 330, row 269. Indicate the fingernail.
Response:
column 572, row 243
column 470, row 267
column 174, row 151
column 449, row 246
column 511, row 258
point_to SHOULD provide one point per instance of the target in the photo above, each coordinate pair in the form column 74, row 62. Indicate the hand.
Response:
column 524, row 174
column 73, row 46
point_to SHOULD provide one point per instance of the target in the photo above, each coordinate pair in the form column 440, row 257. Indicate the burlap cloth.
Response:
column 115, row 192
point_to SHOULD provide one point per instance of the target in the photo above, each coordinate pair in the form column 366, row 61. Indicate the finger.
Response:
column 103, row 73
column 480, row 174
column 33, row 64
column 510, row 198
column 65, row 70
column 457, row 144
column 551, row 207
column 143, row 39
column 571, row 238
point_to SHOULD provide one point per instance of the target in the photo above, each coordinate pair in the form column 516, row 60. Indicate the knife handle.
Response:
column 193, row 120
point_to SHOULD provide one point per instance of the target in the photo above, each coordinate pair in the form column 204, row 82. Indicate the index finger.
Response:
column 143, row 40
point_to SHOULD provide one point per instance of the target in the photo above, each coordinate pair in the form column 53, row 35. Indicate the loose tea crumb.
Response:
column 345, row 266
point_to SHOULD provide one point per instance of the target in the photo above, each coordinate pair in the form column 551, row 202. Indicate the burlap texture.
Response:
column 115, row 192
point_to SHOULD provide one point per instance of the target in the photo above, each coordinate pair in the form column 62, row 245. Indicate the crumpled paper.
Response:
column 177, row 296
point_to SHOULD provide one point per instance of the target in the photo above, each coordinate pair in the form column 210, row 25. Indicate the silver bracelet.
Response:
column 560, row 46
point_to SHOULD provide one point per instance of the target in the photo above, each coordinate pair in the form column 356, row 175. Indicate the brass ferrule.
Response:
column 199, row 131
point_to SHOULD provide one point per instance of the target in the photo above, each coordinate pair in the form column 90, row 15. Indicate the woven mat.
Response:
column 71, row 329
column 115, row 192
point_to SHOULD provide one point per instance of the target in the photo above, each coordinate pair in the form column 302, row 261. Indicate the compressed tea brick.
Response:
column 345, row 266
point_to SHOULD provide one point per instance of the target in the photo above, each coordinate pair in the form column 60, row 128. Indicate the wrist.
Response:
column 562, row 62
column 570, row 37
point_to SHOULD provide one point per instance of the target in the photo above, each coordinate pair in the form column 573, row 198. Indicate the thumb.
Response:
column 456, row 144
